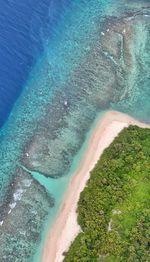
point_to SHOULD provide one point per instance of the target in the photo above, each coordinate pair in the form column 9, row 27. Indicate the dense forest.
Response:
column 114, row 208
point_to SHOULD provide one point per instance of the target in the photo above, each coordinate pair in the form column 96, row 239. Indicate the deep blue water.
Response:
column 25, row 27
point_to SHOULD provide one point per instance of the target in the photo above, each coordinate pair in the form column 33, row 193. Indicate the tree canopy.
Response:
column 113, row 209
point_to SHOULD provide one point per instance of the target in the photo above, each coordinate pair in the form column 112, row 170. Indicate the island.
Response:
column 111, row 201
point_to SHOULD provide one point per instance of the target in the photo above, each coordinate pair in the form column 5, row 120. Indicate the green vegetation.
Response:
column 113, row 210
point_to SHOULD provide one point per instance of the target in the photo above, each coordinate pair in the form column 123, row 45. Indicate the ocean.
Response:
column 25, row 28
column 63, row 64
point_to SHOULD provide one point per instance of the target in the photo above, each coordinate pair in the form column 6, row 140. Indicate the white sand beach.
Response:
column 65, row 227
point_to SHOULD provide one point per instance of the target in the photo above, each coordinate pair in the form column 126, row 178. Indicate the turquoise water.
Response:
column 58, row 187
column 97, row 60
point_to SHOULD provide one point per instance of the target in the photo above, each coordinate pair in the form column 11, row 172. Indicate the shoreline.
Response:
column 65, row 227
